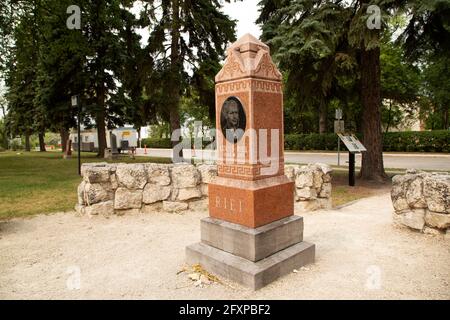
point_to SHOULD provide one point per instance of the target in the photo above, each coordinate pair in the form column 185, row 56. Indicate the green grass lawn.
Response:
column 35, row 182
column 342, row 193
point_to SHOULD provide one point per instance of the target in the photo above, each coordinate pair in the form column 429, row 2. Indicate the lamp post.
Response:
column 76, row 103
column 338, row 129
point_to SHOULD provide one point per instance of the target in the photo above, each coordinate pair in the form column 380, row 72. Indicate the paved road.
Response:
column 422, row 161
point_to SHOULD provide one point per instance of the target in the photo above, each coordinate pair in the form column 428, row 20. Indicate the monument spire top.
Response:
column 248, row 42
column 248, row 57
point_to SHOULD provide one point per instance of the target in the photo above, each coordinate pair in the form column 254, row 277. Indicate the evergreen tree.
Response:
column 400, row 82
column 426, row 40
column 22, row 115
column 320, row 34
column 60, row 72
column 436, row 78
column 185, row 35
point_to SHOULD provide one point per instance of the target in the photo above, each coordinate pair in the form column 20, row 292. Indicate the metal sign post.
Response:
column 339, row 152
column 76, row 103
column 339, row 128
column 351, row 169
column 354, row 146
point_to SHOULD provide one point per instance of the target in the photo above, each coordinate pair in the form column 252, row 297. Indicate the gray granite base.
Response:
column 254, row 275
column 252, row 244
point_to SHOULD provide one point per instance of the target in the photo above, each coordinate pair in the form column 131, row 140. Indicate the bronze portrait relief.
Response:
column 232, row 119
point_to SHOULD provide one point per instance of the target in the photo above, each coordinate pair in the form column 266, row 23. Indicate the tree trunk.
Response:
column 27, row 142
column 323, row 111
column 389, row 116
column 139, row 137
column 41, row 142
column 64, row 136
column 446, row 127
column 212, row 113
column 175, row 73
column 372, row 160
column 100, row 121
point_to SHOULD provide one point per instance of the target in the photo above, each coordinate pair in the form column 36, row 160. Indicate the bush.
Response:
column 311, row 141
column 409, row 141
column 162, row 143
column 166, row 143
column 418, row 141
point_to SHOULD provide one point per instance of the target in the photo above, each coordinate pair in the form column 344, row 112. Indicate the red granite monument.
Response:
column 252, row 235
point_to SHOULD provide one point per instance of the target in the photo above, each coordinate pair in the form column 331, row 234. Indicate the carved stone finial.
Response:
column 248, row 58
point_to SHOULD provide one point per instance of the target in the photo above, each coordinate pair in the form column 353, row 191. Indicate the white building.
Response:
column 126, row 137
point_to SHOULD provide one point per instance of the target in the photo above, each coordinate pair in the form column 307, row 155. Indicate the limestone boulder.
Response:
column 131, row 176
column 304, row 177
column 96, row 192
column 414, row 219
column 189, row 193
column 204, row 189
column 207, row 172
column 414, row 194
column 158, row 174
column 437, row 220
column 325, row 192
column 400, row 204
column 154, row 193
column 96, row 174
column 397, row 180
column 400, row 186
column 174, row 206
column 306, row 193
column 326, row 169
column 289, row 172
column 127, row 199
column 102, row 208
column 80, row 193
column 185, row 176
column 305, row 206
column 88, row 166
column 436, row 190
column 113, row 181
column 317, row 178
column 326, row 178
column 398, row 194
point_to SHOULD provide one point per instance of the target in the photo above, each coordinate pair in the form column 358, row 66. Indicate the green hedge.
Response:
column 418, row 141
column 165, row 143
column 411, row 141
column 311, row 141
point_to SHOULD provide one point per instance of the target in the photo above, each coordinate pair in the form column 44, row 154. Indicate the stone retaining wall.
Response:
column 422, row 201
column 121, row 188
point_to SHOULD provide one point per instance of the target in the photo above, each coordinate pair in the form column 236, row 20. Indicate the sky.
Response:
column 246, row 13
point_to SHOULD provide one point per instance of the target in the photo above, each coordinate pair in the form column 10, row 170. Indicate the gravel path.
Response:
column 360, row 255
